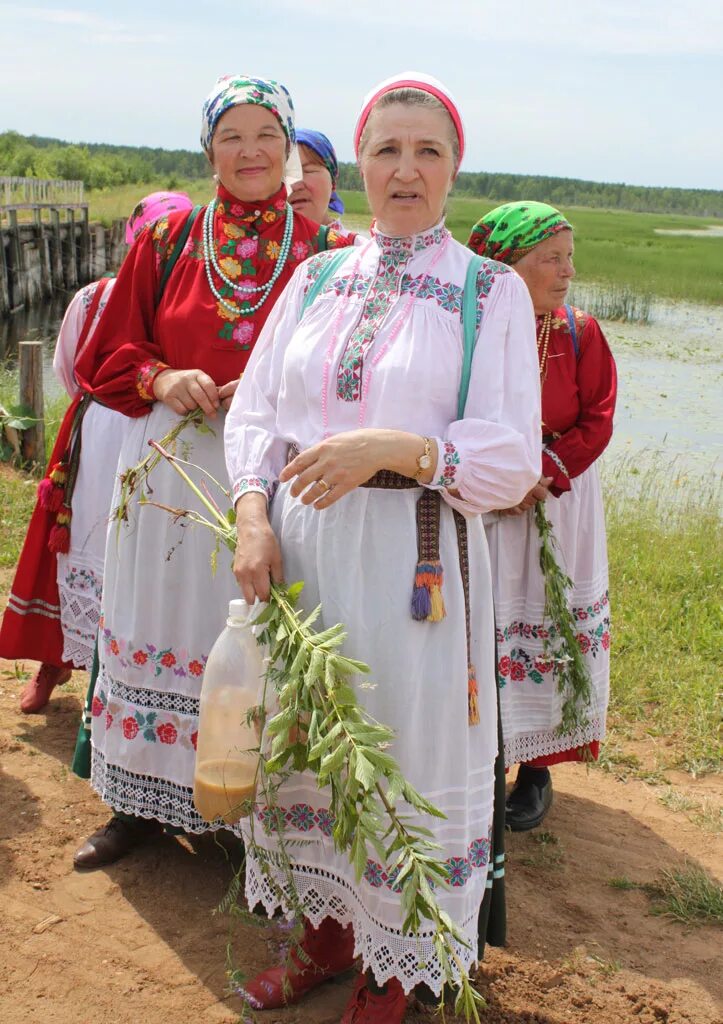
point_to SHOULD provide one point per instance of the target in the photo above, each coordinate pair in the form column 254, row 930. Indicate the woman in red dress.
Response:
column 579, row 384
column 54, row 604
column 155, row 360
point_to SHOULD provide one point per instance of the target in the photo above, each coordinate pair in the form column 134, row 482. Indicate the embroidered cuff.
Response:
column 557, row 460
column 552, row 465
column 447, row 472
column 145, row 377
column 248, row 484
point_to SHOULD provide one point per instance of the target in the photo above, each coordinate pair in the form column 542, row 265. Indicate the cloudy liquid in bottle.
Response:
column 224, row 787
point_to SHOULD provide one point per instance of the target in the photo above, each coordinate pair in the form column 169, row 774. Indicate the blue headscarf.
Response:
column 323, row 148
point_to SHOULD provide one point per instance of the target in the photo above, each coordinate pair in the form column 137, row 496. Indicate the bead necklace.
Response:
column 242, row 290
column 543, row 343
column 394, row 333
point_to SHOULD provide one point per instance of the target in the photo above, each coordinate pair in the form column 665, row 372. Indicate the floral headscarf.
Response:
column 323, row 148
column 151, row 208
column 510, row 231
column 235, row 90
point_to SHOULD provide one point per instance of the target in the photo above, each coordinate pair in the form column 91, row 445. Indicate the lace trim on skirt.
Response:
column 387, row 952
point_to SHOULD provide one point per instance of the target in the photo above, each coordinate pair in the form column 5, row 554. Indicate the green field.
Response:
column 613, row 247
column 618, row 248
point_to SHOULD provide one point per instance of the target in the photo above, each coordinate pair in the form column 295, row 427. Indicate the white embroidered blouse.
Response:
column 381, row 373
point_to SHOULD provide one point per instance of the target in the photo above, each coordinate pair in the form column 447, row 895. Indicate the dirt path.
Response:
column 139, row 941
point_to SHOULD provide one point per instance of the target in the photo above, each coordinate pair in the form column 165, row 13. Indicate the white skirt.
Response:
column 529, row 702
column 162, row 610
column 358, row 559
column 80, row 572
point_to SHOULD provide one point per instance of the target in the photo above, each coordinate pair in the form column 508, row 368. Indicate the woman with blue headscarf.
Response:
column 170, row 343
column 315, row 194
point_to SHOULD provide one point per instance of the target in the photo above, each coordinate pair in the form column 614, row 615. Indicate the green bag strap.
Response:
column 469, row 329
column 177, row 250
column 331, row 265
column 322, row 237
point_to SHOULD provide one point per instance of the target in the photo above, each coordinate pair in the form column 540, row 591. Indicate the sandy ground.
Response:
column 139, row 941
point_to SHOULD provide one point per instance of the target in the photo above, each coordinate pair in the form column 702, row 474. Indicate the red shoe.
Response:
column 330, row 949
column 367, row 1007
column 37, row 693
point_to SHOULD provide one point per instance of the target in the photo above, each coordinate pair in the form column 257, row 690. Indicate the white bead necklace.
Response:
column 244, row 291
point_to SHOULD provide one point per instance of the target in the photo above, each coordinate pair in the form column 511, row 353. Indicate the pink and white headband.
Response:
column 411, row 80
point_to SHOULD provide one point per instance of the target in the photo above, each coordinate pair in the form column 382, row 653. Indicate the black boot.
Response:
column 530, row 799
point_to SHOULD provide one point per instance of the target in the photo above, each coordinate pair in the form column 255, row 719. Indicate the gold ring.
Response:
column 324, row 484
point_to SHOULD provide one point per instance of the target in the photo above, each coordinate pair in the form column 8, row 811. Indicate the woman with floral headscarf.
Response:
column 315, row 194
column 156, row 359
column 353, row 457
column 578, row 378
column 54, row 604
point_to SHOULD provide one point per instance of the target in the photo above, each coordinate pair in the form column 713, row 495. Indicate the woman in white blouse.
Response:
column 363, row 381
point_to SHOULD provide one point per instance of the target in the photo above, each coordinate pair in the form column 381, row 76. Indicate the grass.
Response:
column 613, row 302
column 17, row 499
column 617, row 248
column 666, row 560
column 687, row 894
column 107, row 205
column 546, row 852
column 55, row 406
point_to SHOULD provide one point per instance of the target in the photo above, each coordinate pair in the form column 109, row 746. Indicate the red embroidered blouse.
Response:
column 190, row 329
column 578, row 398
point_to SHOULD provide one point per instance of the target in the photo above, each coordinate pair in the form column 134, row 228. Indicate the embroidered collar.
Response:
column 260, row 215
column 407, row 245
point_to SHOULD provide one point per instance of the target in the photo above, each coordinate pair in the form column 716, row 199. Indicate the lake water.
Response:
column 670, row 379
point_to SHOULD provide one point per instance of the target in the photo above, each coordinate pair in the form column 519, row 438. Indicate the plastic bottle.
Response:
column 227, row 745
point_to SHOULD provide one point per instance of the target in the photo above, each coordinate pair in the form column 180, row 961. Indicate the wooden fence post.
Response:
column 4, row 278
column 19, row 285
column 30, row 357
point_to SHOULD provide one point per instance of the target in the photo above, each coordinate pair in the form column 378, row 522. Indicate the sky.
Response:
column 623, row 90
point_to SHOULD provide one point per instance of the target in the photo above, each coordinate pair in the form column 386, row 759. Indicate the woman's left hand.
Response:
column 329, row 470
column 540, row 492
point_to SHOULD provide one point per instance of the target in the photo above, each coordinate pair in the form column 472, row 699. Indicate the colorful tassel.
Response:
column 427, row 600
column 59, row 539
column 51, row 490
column 472, row 697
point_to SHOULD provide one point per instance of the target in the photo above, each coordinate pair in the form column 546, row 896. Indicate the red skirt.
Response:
column 31, row 624
column 592, row 751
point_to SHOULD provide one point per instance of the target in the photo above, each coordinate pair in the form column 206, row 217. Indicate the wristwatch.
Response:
column 424, row 461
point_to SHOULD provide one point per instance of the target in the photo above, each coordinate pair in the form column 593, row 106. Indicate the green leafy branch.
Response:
column 561, row 646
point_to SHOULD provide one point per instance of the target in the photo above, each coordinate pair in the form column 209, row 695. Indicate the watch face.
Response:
column 424, row 461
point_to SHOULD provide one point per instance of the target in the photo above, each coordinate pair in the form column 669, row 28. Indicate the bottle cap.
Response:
column 238, row 609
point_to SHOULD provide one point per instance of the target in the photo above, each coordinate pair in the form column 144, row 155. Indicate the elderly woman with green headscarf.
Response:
column 578, row 379
column 183, row 319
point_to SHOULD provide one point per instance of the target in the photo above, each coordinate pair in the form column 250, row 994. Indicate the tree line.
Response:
column 100, row 165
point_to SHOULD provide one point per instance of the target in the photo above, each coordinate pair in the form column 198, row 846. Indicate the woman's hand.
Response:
column 257, row 560
column 186, row 390
column 329, row 470
column 226, row 393
column 540, row 492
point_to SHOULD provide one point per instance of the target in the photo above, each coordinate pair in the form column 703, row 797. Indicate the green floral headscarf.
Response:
column 510, row 231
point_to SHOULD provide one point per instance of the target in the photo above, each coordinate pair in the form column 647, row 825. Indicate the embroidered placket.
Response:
column 383, row 291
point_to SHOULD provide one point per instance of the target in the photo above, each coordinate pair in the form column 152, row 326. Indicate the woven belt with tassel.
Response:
column 55, row 491
column 427, row 602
